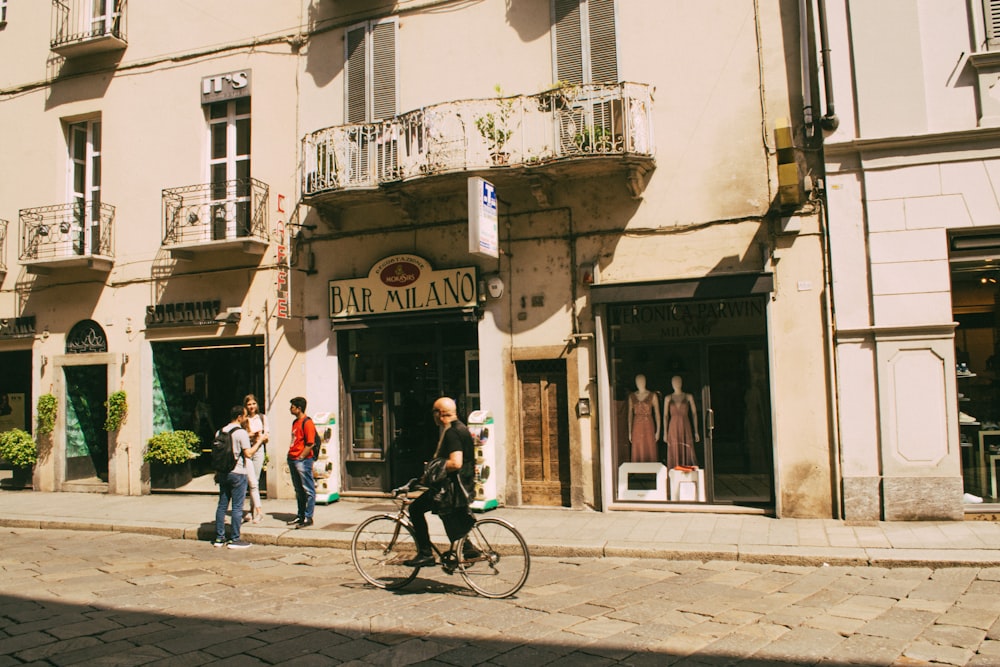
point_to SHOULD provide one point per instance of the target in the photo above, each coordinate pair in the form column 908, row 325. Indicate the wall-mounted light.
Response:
column 583, row 407
column 494, row 284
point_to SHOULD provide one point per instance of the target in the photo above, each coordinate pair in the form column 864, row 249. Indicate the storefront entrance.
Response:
column 392, row 375
column 86, row 439
column 690, row 385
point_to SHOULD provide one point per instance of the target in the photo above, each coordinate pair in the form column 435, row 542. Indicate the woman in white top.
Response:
column 259, row 433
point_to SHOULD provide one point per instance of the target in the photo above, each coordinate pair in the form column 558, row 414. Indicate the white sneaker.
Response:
column 971, row 499
column 966, row 419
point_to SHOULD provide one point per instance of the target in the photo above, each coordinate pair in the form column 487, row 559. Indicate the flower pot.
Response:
column 170, row 476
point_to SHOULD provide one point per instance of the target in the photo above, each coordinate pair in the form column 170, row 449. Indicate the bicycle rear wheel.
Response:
column 379, row 547
column 502, row 566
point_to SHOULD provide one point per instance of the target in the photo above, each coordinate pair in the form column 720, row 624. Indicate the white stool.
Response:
column 687, row 485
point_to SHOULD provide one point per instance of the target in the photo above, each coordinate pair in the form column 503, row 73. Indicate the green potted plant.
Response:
column 19, row 450
column 493, row 128
column 117, row 407
column 170, row 454
column 45, row 413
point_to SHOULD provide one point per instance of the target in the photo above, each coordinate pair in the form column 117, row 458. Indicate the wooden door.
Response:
column 545, row 476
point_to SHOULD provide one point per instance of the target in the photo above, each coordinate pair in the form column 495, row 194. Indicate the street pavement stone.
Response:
column 305, row 605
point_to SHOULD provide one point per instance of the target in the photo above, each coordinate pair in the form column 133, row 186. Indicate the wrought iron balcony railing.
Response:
column 88, row 26
column 572, row 122
column 216, row 214
column 68, row 234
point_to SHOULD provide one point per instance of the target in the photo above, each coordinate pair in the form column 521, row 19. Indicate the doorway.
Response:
column 392, row 375
column 86, row 439
column 545, row 471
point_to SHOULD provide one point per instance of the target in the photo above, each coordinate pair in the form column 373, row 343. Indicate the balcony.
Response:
column 84, row 27
column 227, row 215
column 568, row 132
column 76, row 235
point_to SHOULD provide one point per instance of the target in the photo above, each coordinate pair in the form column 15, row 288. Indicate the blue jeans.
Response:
column 305, row 486
column 234, row 488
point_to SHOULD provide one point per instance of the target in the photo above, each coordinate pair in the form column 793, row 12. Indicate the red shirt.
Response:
column 301, row 435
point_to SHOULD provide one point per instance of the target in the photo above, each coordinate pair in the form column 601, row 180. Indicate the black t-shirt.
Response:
column 458, row 439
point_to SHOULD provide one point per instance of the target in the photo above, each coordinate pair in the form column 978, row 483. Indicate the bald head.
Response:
column 445, row 410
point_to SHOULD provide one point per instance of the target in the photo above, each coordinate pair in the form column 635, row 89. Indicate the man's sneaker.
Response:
column 238, row 544
column 305, row 523
column 294, row 522
column 421, row 560
column 219, row 543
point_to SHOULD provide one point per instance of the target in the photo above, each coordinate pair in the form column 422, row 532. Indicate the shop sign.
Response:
column 222, row 87
column 403, row 284
column 687, row 319
column 283, row 281
column 17, row 327
column 189, row 313
column 86, row 336
column 484, row 239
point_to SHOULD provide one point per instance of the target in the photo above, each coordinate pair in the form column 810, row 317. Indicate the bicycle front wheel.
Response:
column 501, row 566
column 380, row 546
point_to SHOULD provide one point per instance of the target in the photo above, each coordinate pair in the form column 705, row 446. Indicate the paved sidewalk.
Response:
column 549, row 532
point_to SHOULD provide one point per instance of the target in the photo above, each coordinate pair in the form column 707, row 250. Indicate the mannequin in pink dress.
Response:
column 680, row 426
column 643, row 422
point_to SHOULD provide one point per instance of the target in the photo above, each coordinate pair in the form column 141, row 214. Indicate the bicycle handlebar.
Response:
column 406, row 488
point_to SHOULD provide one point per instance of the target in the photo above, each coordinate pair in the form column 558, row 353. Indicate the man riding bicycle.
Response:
column 455, row 458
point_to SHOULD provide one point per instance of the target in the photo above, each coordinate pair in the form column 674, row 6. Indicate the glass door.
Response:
column 83, row 235
column 737, row 424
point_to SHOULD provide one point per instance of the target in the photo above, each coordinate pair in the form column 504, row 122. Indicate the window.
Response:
column 3, row 11
column 370, row 83
column 585, row 47
column 85, row 187
column 991, row 18
column 229, row 167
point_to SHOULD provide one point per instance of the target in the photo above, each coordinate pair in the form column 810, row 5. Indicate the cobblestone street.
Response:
column 75, row 598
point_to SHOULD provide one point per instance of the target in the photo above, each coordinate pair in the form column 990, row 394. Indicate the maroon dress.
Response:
column 679, row 436
column 643, row 429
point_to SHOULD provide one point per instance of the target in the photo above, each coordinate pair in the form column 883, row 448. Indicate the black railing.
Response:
column 80, row 229
column 78, row 21
column 224, row 211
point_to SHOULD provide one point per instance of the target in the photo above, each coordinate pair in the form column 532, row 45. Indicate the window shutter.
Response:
column 569, row 41
column 991, row 14
column 384, row 69
column 603, row 49
column 356, row 61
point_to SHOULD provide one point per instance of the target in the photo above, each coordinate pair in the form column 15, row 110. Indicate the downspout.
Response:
column 829, row 121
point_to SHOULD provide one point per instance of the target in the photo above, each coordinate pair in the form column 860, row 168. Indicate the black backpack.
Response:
column 223, row 459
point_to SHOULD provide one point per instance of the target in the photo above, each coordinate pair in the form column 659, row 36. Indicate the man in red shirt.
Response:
column 300, row 463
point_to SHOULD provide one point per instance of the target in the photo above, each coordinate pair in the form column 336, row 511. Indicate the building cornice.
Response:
column 906, row 144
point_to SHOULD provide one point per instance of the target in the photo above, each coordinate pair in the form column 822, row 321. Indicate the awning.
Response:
column 732, row 285
column 447, row 316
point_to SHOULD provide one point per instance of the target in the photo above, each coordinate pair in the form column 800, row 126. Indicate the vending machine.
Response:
column 326, row 467
column 483, row 439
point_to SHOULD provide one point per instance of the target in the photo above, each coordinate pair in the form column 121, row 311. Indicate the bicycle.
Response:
column 497, row 569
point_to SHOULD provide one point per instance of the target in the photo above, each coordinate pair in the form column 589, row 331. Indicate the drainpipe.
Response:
column 829, row 121
column 806, row 73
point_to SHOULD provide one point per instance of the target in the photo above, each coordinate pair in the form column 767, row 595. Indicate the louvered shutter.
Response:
column 384, row 70
column 355, row 82
column 991, row 13
column 569, row 41
column 603, row 49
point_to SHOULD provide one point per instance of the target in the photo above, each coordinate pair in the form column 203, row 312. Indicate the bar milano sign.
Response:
column 403, row 284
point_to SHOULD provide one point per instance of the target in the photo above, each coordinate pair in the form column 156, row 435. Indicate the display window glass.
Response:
column 691, row 406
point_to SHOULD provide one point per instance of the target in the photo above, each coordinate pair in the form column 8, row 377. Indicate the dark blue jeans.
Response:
column 233, row 488
column 305, row 486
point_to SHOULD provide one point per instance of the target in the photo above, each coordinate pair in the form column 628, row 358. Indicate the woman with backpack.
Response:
column 259, row 434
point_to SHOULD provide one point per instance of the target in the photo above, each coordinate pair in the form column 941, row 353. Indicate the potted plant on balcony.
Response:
column 169, row 455
column 19, row 450
column 493, row 127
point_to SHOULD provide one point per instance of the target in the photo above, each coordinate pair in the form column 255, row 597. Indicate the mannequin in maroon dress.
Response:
column 643, row 422
column 680, row 426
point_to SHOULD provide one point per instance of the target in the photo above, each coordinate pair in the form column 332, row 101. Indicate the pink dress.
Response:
column 643, row 429
column 680, row 436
